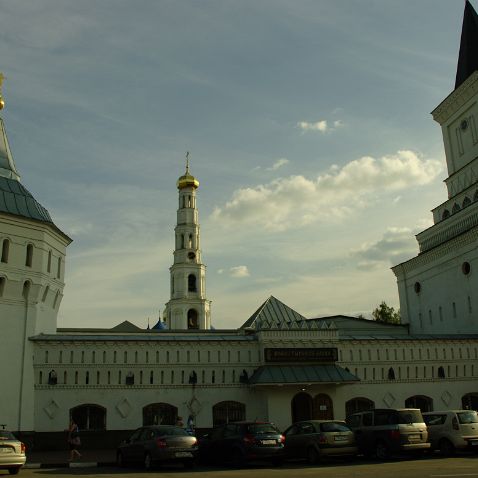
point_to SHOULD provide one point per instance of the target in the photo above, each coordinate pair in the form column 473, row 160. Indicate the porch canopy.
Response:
column 304, row 374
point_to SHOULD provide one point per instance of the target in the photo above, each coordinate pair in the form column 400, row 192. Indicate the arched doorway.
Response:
column 228, row 411
column 159, row 413
column 470, row 401
column 425, row 404
column 323, row 407
column 359, row 404
column 193, row 319
column 301, row 407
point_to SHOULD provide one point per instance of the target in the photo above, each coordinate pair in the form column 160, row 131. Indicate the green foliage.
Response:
column 384, row 313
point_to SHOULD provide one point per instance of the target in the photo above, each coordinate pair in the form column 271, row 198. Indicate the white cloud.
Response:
column 395, row 246
column 278, row 164
column 322, row 126
column 239, row 271
column 295, row 201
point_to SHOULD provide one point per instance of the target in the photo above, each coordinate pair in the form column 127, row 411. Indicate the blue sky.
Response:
column 309, row 130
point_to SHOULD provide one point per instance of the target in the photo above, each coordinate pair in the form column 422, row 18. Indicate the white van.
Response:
column 452, row 430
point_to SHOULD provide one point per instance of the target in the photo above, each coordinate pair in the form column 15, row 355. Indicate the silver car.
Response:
column 12, row 452
column 156, row 444
column 452, row 430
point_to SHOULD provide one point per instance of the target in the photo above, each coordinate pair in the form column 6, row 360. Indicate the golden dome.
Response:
column 187, row 181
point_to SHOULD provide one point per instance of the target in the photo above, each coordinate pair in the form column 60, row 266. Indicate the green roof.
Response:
column 303, row 374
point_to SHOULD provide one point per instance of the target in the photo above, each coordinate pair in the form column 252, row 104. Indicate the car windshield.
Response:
column 262, row 428
column 4, row 435
column 467, row 417
column 334, row 427
column 410, row 416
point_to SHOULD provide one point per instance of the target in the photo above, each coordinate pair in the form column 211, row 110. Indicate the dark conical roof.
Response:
column 468, row 57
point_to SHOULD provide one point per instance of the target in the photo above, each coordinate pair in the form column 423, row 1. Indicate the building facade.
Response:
column 278, row 365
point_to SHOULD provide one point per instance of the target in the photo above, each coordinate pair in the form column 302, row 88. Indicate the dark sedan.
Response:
column 158, row 444
column 242, row 442
column 315, row 439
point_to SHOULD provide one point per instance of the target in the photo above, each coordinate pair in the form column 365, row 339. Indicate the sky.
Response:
column 308, row 125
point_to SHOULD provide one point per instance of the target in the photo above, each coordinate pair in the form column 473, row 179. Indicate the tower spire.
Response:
column 7, row 165
column 468, row 56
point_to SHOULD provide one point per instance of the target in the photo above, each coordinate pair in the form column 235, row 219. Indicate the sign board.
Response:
column 301, row 354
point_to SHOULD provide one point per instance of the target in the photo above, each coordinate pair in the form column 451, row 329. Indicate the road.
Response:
column 456, row 467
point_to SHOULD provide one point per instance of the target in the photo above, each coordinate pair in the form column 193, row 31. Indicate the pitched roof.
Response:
column 272, row 312
column 468, row 56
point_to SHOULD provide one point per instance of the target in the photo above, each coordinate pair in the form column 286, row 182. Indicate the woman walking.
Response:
column 74, row 440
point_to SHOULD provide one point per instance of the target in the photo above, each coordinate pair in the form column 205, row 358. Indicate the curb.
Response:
column 77, row 464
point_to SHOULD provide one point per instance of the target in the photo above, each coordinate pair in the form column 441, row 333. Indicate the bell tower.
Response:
column 188, row 307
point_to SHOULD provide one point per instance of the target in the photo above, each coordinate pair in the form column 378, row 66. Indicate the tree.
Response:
column 384, row 313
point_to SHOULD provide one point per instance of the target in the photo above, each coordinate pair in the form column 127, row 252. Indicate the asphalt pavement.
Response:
column 60, row 459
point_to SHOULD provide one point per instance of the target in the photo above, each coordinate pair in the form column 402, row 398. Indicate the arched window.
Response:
column 26, row 289
column 5, row 250
column 446, row 213
column 193, row 322
column 190, row 241
column 228, row 411
column 475, row 196
column 45, row 294
column 359, row 404
column 391, row 374
column 455, row 208
column 89, row 417
column 182, row 241
column 192, row 283
column 466, row 202
column 469, row 401
column 48, row 265
column 3, row 281
column 29, row 256
column 441, row 372
column 159, row 414
column 424, row 403
column 58, row 269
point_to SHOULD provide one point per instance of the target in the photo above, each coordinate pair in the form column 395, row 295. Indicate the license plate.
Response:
column 6, row 450
column 474, row 442
column 268, row 442
column 340, row 438
column 413, row 437
column 183, row 454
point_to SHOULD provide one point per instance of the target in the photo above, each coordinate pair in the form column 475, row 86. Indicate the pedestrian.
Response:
column 179, row 422
column 74, row 441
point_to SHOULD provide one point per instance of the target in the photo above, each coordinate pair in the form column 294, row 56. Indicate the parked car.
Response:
column 452, row 430
column 316, row 439
column 12, row 452
column 386, row 432
column 156, row 444
column 242, row 442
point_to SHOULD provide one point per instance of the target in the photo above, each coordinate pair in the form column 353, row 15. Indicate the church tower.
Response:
column 439, row 288
column 32, row 262
column 188, row 308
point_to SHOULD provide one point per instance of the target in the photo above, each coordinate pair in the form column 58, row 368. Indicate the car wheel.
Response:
column 120, row 460
column 148, row 462
column 312, row 456
column 277, row 462
column 189, row 463
column 382, row 452
column 14, row 471
column 446, row 447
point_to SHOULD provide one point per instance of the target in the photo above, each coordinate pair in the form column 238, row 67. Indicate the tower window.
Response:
column 29, row 256
column 2, row 285
column 48, row 265
column 58, row 270
column 193, row 322
column 5, row 250
column 190, row 241
column 192, row 283
column 182, row 241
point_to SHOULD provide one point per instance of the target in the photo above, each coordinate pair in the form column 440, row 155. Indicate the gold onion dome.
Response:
column 187, row 181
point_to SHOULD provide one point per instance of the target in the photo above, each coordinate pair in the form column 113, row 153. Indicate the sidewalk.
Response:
column 59, row 459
